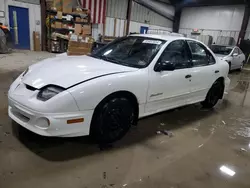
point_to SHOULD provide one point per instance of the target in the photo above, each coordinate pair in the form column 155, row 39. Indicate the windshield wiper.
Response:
column 108, row 59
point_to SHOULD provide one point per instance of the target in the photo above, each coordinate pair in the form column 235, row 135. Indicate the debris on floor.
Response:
column 6, row 133
column 223, row 122
column 104, row 175
column 168, row 133
column 195, row 129
column 158, row 132
column 200, row 145
column 165, row 132
column 243, row 149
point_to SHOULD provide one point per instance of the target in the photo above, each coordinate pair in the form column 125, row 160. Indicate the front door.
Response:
column 170, row 89
column 19, row 27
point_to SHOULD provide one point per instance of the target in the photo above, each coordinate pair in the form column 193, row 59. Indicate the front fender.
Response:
column 89, row 94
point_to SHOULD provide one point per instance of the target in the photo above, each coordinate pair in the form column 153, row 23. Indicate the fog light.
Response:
column 42, row 123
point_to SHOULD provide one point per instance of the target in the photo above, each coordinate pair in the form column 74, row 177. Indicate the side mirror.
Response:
column 164, row 66
column 235, row 54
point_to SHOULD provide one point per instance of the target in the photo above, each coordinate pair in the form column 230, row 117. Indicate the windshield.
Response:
column 223, row 50
column 130, row 51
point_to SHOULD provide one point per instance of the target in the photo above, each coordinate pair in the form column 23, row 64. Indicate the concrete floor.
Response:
column 202, row 142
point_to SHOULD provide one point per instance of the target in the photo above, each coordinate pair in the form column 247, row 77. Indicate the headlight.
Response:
column 48, row 92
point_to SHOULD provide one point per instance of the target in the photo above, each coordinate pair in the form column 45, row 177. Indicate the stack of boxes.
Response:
column 80, row 43
column 76, row 24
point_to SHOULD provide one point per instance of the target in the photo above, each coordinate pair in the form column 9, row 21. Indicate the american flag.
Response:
column 97, row 9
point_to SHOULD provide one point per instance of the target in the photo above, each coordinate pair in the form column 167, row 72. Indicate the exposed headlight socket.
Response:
column 48, row 92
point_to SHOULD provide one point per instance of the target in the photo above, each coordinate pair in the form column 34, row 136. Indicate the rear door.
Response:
column 204, row 71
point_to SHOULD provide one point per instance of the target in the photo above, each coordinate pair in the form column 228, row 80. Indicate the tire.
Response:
column 230, row 70
column 111, row 120
column 241, row 66
column 214, row 94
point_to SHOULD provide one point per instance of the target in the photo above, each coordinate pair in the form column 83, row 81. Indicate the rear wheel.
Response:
column 112, row 120
column 214, row 94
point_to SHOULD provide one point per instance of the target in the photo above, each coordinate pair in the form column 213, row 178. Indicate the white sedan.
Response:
column 231, row 54
column 107, row 92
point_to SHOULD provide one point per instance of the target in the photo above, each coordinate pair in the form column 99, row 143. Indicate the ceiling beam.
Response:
column 156, row 7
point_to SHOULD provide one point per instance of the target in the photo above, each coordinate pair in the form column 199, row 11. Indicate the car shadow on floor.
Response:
column 63, row 149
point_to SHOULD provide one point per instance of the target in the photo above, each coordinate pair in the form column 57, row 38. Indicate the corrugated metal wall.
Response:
column 214, row 20
column 2, row 6
column 34, row 16
column 135, row 27
column 117, row 9
column 141, row 14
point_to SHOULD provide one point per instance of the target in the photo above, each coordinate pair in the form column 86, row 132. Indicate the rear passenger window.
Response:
column 200, row 55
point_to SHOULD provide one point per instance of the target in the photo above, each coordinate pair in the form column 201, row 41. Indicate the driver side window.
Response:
column 177, row 54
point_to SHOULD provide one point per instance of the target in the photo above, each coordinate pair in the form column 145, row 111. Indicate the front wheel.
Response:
column 214, row 94
column 112, row 120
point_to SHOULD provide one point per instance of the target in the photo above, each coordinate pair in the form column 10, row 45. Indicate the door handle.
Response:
column 217, row 71
column 188, row 76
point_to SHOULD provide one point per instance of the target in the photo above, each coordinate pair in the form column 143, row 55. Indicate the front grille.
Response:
column 20, row 116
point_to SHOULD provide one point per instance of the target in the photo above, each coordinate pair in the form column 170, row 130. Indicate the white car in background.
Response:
column 231, row 54
column 107, row 92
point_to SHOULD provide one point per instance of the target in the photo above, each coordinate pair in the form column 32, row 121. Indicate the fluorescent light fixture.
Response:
column 227, row 170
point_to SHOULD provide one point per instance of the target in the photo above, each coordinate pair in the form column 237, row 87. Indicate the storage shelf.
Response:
column 53, row 12
column 69, row 22
column 62, row 29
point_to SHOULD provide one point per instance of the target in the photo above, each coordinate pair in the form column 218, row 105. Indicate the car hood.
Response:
column 66, row 71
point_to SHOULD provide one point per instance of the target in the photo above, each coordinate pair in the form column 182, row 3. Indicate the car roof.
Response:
column 223, row 45
column 161, row 37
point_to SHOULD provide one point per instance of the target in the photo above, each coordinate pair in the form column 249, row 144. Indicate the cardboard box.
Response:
column 58, row 25
column 36, row 41
column 78, row 29
column 65, row 26
column 80, row 44
column 67, row 6
column 86, row 30
column 78, row 19
column 57, row 4
column 49, row 4
column 59, row 15
column 78, row 51
column 73, row 44
column 83, row 20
